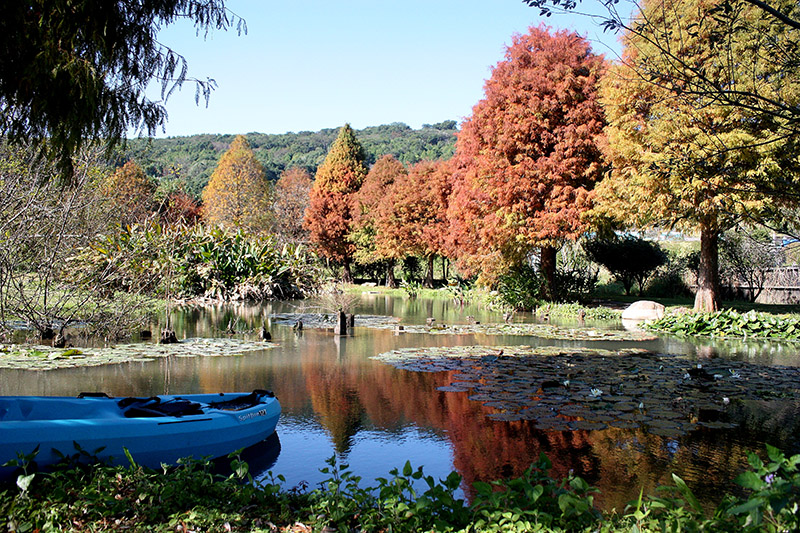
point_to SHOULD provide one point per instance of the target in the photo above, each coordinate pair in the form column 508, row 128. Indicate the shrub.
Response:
column 198, row 261
column 630, row 259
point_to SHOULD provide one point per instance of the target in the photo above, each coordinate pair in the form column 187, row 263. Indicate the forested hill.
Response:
column 194, row 158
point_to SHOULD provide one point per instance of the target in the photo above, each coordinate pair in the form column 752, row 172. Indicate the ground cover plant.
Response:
column 194, row 496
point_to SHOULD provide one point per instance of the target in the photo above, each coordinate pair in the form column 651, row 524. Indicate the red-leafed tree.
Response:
column 528, row 156
column 376, row 186
column 291, row 200
column 180, row 208
column 329, row 215
column 412, row 218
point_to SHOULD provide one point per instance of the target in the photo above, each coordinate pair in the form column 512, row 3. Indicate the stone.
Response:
column 643, row 310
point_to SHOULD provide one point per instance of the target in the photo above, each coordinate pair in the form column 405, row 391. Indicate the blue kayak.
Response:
column 155, row 430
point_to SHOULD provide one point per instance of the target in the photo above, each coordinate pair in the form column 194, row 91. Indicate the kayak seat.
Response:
column 150, row 408
column 242, row 402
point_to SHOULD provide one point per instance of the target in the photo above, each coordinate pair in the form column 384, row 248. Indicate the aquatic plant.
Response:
column 199, row 261
column 729, row 323
column 567, row 389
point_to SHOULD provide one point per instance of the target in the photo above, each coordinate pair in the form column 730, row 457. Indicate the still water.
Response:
column 339, row 401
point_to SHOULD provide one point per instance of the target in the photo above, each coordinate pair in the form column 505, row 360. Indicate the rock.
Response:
column 643, row 310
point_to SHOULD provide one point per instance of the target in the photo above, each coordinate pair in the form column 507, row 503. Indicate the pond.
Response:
column 479, row 400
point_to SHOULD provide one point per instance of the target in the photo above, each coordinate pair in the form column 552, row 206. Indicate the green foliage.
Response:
column 71, row 72
column 773, row 503
column 197, row 155
column 520, row 288
column 730, row 323
column 199, row 261
column 668, row 279
column 535, row 502
column 630, row 259
column 193, row 496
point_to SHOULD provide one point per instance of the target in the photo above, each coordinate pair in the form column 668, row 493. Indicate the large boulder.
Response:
column 643, row 310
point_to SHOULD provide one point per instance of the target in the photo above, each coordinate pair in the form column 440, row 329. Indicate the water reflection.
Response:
column 336, row 400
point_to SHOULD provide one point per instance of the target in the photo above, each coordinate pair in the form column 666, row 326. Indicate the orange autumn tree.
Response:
column 528, row 156
column 130, row 193
column 412, row 218
column 291, row 199
column 375, row 188
column 330, row 210
column 237, row 195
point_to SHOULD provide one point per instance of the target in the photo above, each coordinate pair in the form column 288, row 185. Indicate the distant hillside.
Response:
column 196, row 156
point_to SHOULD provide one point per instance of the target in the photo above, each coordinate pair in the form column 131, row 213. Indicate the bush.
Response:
column 520, row 288
column 193, row 497
column 669, row 279
column 198, row 261
column 630, row 259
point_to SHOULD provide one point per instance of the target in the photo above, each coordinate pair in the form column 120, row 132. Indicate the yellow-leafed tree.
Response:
column 238, row 194
column 685, row 158
column 130, row 192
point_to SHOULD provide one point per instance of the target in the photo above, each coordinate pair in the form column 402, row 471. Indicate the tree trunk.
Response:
column 429, row 274
column 347, row 275
column 707, row 297
column 391, row 282
column 547, row 267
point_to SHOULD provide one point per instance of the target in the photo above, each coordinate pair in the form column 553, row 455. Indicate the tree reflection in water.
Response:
column 336, row 399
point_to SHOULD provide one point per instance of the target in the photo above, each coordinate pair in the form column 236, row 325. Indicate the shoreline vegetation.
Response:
column 746, row 321
column 199, row 496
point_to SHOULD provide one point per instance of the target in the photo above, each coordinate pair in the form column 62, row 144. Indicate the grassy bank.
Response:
column 192, row 497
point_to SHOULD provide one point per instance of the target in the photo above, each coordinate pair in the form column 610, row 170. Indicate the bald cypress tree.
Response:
column 331, row 205
column 238, row 193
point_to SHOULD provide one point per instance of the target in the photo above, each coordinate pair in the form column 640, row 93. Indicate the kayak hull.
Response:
column 103, row 427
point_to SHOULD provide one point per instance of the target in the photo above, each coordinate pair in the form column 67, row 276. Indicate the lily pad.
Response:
column 623, row 389
column 25, row 357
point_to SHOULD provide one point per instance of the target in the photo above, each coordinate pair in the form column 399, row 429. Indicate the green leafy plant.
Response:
column 200, row 261
column 194, row 496
column 729, row 323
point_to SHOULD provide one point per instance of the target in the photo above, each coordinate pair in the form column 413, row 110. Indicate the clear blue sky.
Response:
column 313, row 64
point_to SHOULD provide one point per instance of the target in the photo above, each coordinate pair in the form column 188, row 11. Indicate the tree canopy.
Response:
column 331, row 204
column 375, row 189
column 289, row 204
column 130, row 193
column 681, row 159
column 528, row 156
column 412, row 218
column 73, row 71
column 758, row 38
column 238, row 194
